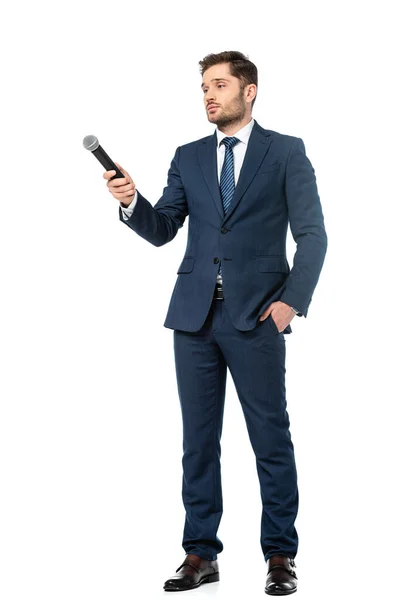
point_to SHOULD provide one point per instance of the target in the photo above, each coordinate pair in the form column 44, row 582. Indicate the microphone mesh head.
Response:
column 91, row 142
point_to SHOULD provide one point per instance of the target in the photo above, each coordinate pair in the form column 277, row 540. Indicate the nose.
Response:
column 209, row 98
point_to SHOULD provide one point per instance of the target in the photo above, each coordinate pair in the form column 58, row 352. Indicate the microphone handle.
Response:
column 107, row 162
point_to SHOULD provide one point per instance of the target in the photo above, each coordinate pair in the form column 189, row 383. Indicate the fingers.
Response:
column 119, row 182
column 129, row 193
column 122, row 170
column 122, row 188
column 111, row 173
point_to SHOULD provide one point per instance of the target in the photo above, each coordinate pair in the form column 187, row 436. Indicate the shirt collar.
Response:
column 243, row 134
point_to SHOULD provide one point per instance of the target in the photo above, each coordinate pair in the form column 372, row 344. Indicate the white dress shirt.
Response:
column 239, row 150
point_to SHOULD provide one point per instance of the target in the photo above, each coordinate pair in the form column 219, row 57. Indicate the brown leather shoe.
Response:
column 193, row 572
column 281, row 579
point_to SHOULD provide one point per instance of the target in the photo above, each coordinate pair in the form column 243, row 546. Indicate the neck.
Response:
column 232, row 128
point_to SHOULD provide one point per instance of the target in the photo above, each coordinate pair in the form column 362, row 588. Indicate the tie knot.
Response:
column 230, row 141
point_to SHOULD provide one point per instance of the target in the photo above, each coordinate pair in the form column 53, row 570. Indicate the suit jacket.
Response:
column 276, row 187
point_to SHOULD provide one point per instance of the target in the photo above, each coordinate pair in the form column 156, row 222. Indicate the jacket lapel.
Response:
column 258, row 145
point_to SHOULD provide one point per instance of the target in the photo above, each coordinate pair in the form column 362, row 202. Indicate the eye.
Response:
column 204, row 90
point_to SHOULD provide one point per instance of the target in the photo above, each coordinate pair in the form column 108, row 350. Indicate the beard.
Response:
column 233, row 114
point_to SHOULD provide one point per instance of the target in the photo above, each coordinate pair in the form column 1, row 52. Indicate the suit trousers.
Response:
column 256, row 361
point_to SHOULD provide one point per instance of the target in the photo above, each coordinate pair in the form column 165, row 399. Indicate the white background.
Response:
column 90, row 428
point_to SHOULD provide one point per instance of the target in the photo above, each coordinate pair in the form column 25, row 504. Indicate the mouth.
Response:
column 212, row 107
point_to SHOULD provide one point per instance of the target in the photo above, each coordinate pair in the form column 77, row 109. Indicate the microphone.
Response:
column 90, row 142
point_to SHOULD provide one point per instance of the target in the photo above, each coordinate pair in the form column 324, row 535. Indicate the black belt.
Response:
column 218, row 292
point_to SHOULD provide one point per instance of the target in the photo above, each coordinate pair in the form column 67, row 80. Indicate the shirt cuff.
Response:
column 128, row 210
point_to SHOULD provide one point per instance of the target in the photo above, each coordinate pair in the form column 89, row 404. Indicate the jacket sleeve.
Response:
column 307, row 226
column 159, row 224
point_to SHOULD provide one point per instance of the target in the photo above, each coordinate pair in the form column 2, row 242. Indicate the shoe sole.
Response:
column 208, row 579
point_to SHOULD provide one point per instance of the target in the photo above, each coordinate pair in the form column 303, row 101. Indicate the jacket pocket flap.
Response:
column 186, row 265
column 272, row 264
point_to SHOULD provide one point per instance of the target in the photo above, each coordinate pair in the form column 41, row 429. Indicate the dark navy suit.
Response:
column 276, row 188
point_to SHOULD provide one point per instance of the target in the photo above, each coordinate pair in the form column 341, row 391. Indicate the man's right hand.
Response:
column 123, row 189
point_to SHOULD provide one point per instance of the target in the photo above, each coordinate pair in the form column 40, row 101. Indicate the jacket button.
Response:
column 216, row 260
column 223, row 230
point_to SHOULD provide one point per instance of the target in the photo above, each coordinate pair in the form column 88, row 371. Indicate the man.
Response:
column 232, row 303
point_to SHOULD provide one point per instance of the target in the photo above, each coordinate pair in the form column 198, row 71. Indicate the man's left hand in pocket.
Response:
column 281, row 313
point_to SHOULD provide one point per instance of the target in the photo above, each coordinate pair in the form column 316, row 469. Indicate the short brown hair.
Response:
column 239, row 66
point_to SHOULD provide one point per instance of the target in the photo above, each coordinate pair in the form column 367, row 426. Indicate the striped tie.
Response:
column 227, row 178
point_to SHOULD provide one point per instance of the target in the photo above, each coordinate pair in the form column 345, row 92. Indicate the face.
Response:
column 220, row 88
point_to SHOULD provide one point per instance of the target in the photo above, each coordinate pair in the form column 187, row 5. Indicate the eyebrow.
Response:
column 215, row 79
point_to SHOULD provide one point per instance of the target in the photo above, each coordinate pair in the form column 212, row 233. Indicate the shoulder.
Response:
column 195, row 143
column 284, row 140
column 283, row 143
